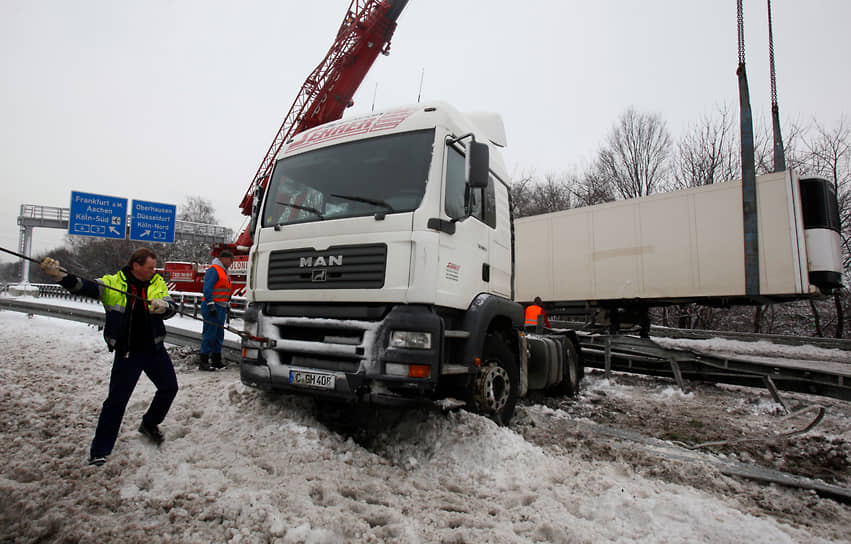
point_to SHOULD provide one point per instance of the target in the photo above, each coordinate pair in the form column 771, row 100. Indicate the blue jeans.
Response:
column 211, row 335
column 158, row 367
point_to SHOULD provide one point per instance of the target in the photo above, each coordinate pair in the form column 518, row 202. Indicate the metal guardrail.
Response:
column 818, row 341
column 194, row 300
column 700, row 334
column 206, row 229
column 187, row 303
column 622, row 353
column 643, row 356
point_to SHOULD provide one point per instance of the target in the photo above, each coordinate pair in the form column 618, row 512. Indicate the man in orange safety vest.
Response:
column 533, row 311
column 214, row 310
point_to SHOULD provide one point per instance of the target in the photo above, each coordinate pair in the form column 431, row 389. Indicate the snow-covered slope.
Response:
column 240, row 466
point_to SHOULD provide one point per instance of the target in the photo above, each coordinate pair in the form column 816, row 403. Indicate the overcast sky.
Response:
column 166, row 99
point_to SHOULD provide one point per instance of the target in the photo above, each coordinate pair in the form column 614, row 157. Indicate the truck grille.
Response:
column 327, row 345
column 338, row 267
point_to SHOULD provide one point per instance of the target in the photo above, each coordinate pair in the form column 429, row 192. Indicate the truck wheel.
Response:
column 570, row 382
column 498, row 382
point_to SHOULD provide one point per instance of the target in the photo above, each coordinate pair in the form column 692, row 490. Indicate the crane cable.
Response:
column 779, row 154
column 741, row 27
column 771, row 59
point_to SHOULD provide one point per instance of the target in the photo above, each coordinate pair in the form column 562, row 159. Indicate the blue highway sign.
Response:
column 152, row 222
column 98, row 215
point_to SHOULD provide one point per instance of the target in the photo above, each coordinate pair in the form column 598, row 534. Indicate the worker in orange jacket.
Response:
column 533, row 311
column 214, row 310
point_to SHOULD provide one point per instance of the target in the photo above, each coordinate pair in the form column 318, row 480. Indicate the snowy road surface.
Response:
column 240, row 466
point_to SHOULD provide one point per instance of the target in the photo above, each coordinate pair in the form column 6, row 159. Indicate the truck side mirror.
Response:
column 476, row 165
column 255, row 210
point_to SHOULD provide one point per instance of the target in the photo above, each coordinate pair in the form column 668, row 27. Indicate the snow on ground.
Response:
column 761, row 348
column 242, row 466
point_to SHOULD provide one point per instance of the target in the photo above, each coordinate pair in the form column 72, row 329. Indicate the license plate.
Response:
column 312, row 379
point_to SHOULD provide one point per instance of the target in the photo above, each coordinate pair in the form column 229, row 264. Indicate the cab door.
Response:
column 464, row 255
column 498, row 217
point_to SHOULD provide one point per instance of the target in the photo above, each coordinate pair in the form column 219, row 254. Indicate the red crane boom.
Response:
column 328, row 90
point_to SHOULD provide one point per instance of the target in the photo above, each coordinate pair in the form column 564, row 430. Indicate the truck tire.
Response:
column 498, row 382
column 573, row 371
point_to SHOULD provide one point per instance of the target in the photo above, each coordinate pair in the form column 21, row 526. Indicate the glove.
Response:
column 209, row 309
column 158, row 306
column 51, row 267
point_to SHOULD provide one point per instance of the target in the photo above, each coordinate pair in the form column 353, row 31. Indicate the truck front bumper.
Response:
column 347, row 359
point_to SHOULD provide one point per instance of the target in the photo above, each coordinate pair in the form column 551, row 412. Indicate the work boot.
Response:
column 152, row 433
column 216, row 359
column 97, row 460
column 204, row 363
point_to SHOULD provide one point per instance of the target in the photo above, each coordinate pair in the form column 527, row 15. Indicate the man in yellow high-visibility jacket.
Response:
column 136, row 301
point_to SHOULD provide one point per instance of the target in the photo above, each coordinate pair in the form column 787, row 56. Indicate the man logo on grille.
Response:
column 332, row 260
column 319, row 275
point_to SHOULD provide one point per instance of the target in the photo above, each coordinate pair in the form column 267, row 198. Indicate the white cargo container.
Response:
column 676, row 246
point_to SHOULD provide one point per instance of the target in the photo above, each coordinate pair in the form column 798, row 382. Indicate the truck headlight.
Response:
column 410, row 339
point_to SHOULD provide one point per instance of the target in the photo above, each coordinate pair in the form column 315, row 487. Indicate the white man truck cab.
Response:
column 382, row 268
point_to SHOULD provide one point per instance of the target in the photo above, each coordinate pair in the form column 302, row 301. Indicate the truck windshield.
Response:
column 386, row 174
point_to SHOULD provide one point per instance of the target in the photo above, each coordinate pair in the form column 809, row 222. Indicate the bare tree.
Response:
column 11, row 273
column 197, row 209
column 844, row 198
column 93, row 257
column 708, row 152
column 521, row 193
column 795, row 134
column 533, row 197
column 591, row 189
column 552, row 194
column 830, row 154
column 635, row 158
